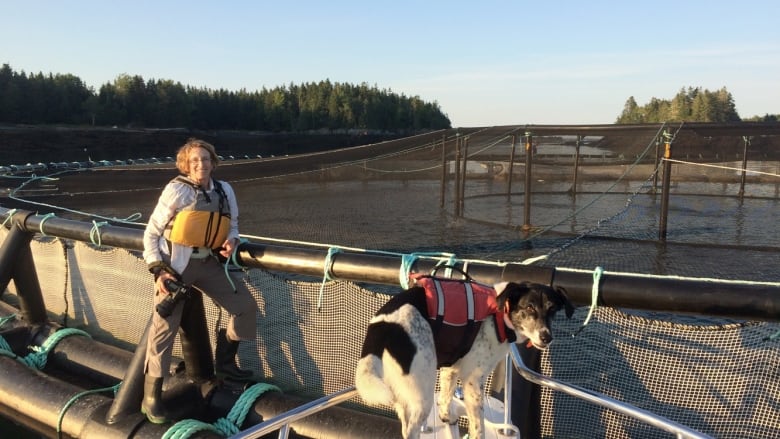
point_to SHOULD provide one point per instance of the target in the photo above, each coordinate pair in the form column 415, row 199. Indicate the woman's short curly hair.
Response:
column 183, row 154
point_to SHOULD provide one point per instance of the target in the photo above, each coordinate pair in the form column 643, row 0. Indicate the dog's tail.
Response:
column 370, row 383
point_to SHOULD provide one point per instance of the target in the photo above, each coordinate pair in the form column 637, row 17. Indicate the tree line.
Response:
column 131, row 101
column 690, row 105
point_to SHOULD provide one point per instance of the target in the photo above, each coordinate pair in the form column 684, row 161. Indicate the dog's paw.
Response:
column 445, row 415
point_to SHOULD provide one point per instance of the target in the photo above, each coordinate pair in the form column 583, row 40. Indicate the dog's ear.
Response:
column 561, row 298
column 500, row 287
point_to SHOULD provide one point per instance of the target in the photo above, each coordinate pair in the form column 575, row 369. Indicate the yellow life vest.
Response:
column 204, row 223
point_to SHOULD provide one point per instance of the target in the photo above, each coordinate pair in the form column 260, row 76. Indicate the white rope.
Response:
column 674, row 277
column 594, row 297
column 730, row 168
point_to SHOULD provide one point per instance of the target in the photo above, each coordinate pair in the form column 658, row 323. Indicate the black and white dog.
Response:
column 400, row 354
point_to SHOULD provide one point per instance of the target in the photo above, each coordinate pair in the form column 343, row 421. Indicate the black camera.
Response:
column 178, row 292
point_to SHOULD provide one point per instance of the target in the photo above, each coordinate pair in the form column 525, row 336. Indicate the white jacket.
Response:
column 174, row 197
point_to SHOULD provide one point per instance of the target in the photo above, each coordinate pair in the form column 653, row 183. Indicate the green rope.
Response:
column 408, row 260
column 8, row 217
column 328, row 273
column 232, row 260
column 37, row 359
column 114, row 389
column 5, row 348
column 95, row 231
column 43, row 220
column 594, row 297
column 772, row 337
column 6, row 319
column 187, row 427
column 228, row 426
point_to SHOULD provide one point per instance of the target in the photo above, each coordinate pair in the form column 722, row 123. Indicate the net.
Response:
column 598, row 208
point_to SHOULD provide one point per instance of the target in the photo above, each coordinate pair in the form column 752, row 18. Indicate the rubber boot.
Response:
column 152, row 403
column 225, row 358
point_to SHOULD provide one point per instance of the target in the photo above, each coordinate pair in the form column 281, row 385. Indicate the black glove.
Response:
column 158, row 267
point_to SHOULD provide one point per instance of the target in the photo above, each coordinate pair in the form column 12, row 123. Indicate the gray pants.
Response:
column 208, row 275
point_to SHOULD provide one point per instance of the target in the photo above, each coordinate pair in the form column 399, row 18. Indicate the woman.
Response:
column 195, row 219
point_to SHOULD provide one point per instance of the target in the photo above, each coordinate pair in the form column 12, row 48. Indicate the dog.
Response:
column 400, row 357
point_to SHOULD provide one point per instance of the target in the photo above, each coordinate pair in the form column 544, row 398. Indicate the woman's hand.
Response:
column 228, row 247
column 159, row 283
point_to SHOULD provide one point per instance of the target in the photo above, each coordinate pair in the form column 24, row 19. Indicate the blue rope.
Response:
column 328, row 273
column 227, row 426
column 594, row 297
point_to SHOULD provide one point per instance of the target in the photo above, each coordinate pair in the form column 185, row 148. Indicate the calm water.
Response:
column 714, row 235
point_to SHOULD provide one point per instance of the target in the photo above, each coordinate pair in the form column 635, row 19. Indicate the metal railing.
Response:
column 660, row 422
column 282, row 422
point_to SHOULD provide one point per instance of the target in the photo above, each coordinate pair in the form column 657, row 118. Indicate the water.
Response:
column 717, row 235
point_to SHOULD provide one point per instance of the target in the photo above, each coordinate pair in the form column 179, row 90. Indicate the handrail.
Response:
column 647, row 417
column 282, row 421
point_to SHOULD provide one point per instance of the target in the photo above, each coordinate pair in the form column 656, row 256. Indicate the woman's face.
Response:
column 200, row 165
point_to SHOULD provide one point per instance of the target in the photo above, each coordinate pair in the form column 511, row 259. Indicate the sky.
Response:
column 484, row 62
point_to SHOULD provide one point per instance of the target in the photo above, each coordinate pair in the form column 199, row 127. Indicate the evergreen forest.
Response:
column 131, row 101
column 690, row 105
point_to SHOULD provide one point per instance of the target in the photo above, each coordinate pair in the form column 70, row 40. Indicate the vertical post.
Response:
column 746, row 141
column 527, row 190
column 526, row 410
column 657, row 159
column 463, row 178
column 16, row 262
column 443, row 170
column 128, row 398
column 456, row 190
column 666, row 186
column 573, row 189
column 511, row 166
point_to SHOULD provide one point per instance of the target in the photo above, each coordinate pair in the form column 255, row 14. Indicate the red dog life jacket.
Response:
column 456, row 309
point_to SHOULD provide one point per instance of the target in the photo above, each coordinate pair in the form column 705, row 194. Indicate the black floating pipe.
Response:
column 748, row 301
column 16, row 262
column 36, row 400
column 333, row 422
